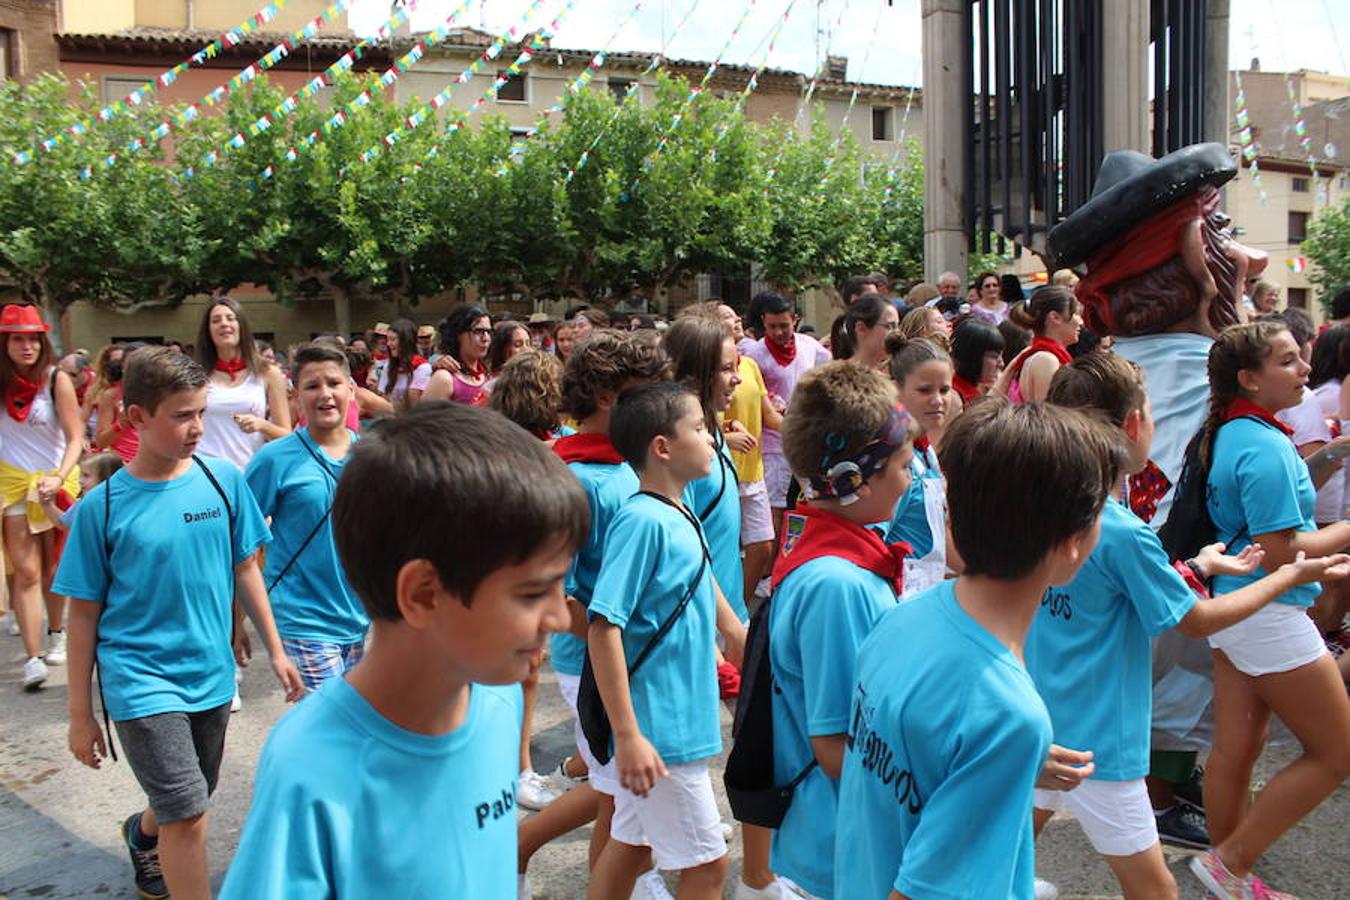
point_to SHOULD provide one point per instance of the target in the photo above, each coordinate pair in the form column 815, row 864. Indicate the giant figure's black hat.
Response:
column 1130, row 188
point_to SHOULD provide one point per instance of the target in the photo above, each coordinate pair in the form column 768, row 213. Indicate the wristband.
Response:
column 1195, row 570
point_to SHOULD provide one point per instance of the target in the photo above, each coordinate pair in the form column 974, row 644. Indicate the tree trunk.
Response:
column 342, row 310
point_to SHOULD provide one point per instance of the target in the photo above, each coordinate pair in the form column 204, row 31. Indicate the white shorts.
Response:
column 1116, row 815
column 602, row 778
column 1280, row 637
column 777, row 477
column 678, row 819
column 756, row 518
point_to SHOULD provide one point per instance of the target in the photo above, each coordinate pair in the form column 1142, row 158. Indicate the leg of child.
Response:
column 1312, row 701
column 26, row 558
column 703, row 882
column 1144, row 876
column 755, row 564
column 531, row 687
column 616, row 871
column 56, row 604
column 604, row 815
column 182, row 855
column 566, row 814
column 756, row 843
column 1241, row 718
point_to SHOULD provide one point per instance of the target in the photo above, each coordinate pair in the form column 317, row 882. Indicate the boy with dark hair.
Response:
column 154, row 557
column 945, row 741
column 655, row 600
column 294, row 480
column 849, row 445
column 399, row 779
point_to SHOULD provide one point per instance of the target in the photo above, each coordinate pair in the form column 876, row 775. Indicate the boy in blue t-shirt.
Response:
column 1099, row 627
column 655, row 600
column 947, row 735
column 833, row 578
column 295, row 478
column 154, row 558
column 398, row 780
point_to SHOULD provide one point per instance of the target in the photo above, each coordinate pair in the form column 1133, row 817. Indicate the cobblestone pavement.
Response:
column 59, row 821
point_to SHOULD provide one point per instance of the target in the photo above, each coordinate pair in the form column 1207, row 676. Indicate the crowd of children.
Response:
column 951, row 591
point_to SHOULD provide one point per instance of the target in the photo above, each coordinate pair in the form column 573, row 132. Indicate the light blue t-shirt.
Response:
column 1090, row 646
column 607, row 487
column 164, row 630
column 652, row 555
column 910, row 522
column 1259, row 484
column 945, row 740
column 294, row 482
column 348, row 804
column 717, row 502
column 821, row 613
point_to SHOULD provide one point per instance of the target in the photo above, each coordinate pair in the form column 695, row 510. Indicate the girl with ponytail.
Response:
column 1052, row 315
column 1260, row 491
column 863, row 329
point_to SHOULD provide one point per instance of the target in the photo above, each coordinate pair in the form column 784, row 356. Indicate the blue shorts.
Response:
column 319, row 661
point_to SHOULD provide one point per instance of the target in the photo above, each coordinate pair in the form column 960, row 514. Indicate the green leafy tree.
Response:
column 1328, row 246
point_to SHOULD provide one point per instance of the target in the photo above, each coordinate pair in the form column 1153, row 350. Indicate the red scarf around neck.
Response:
column 475, row 369
column 231, row 367
column 782, row 355
column 19, row 394
column 1041, row 345
column 922, row 443
column 587, row 448
column 812, row 533
column 1243, row 407
column 967, row 390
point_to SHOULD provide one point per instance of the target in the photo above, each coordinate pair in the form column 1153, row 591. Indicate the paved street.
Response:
column 59, row 821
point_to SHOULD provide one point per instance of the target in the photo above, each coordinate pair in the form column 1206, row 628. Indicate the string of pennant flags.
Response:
column 657, row 62
column 1301, row 127
column 893, row 167
column 577, row 84
column 750, row 85
column 229, row 39
column 1246, row 144
column 852, row 102
column 244, row 76
column 807, row 95
column 390, row 75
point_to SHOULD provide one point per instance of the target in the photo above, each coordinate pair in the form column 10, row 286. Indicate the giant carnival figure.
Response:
column 1163, row 277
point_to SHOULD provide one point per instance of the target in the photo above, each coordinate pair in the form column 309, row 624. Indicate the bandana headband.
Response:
column 842, row 479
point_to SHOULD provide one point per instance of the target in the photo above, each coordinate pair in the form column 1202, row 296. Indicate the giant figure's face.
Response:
column 1197, row 290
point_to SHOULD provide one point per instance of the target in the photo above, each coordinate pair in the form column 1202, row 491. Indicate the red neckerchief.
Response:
column 812, row 533
column 475, row 369
column 231, row 367
column 922, row 443
column 1147, row 487
column 1241, row 407
column 782, row 355
column 587, row 448
column 967, row 390
column 380, row 355
column 19, row 394
column 418, row 361
column 1040, row 345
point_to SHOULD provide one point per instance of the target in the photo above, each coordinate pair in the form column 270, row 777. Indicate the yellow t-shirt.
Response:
column 747, row 408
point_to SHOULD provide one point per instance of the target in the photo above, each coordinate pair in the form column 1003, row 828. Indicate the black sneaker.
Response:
column 1193, row 789
column 145, row 864
column 1183, row 826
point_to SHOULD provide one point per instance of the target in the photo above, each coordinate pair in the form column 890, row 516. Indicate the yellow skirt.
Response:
column 18, row 486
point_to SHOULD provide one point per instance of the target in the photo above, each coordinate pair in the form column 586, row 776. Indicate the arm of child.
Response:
column 828, row 750
column 1065, row 769
column 248, row 587
column 1282, row 547
column 731, row 628
column 639, row 765
column 1217, row 613
column 772, row 418
column 85, row 736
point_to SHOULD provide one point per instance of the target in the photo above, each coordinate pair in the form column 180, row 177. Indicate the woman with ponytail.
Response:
column 246, row 403
column 1053, row 317
column 1260, row 491
column 863, row 328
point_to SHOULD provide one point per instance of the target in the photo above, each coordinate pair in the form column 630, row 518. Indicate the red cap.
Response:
column 17, row 319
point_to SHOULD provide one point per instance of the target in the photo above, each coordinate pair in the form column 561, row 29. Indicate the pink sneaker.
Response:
column 1220, row 882
column 1261, row 892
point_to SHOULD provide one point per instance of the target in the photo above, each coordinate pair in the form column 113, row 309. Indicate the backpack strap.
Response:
column 313, row 532
column 229, row 510
column 718, row 444
column 689, row 592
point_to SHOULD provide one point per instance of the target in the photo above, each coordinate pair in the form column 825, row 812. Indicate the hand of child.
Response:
column 638, row 764
column 86, row 741
column 243, row 648
column 738, row 438
column 47, row 486
column 1065, row 769
column 733, row 640
column 1212, row 561
column 249, row 424
column 289, row 676
column 1320, row 568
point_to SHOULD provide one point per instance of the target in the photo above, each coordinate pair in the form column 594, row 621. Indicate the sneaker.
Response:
column 1193, row 789
column 145, row 864
column 728, row 681
column 774, row 890
column 236, row 702
column 1262, row 892
column 727, row 831
column 651, row 886
column 533, row 791
column 523, row 889
column 56, row 648
column 10, row 624
column 1045, row 890
column 560, row 782
column 1183, row 826
column 34, row 674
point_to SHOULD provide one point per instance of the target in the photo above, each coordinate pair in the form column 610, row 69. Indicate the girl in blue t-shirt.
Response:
column 923, row 373
column 1259, row 490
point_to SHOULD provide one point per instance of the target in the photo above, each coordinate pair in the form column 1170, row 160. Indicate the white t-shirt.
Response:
column 416, row 380
column 37, row 443
column 1311, row 423
column 222, row 436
